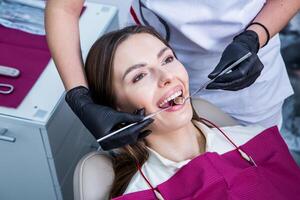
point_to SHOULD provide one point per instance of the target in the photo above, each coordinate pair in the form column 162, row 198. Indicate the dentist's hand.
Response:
column 244, row 74
column 101, row 120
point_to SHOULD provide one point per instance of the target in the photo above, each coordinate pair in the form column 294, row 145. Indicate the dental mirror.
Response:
column 179, row 100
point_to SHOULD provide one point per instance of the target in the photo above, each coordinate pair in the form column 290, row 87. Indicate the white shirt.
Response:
column 158, row 169
column 199, row 33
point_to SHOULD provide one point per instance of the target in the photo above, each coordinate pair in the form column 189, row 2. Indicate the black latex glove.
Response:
column 129, row 136
column 101, row 120
column 245, row 73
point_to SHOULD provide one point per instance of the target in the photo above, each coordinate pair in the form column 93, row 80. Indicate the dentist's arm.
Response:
column 274, row 16
column 62, row 28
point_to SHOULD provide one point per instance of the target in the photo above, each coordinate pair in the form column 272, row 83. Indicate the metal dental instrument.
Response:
column 177, row 98
column 10, row 88
column 182, row 100
column 9, row 71
column 130, row 125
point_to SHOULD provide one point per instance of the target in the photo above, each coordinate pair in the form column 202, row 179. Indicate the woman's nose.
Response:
column 165, row 78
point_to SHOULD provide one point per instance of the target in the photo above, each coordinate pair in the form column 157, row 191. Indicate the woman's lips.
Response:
column 163, row 102
column 169, row 101
column 175, row 108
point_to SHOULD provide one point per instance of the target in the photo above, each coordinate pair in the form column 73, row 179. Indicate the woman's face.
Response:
column 147, row 75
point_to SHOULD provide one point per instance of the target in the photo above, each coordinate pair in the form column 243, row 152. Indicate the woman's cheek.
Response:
column 127, row 102
column 139, row 100
column 184, row 74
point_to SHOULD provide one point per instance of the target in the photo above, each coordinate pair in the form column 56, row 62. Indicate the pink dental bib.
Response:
column 273, row 175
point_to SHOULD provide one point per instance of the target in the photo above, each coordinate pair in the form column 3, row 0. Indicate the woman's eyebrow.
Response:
column 161, row 52
column 133, row 67
column 136, row 66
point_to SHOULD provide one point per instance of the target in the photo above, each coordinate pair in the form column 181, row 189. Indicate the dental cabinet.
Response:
column 42, row 140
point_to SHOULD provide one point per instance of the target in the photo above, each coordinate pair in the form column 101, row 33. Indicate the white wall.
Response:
column 123, row 7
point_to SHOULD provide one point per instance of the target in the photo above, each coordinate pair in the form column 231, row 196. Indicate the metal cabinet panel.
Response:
column 59, row 126
column 70, row 149
column 24, row 169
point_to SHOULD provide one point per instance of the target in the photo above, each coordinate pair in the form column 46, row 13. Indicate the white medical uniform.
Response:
column 158, row 169
column 199, row 33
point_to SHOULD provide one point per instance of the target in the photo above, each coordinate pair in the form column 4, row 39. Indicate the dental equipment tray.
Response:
column 26, row 52
column 47, row 92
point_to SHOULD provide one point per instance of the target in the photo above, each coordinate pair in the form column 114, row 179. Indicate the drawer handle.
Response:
column 4, row 137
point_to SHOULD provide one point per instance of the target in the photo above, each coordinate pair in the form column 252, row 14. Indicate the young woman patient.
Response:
column 135, row 70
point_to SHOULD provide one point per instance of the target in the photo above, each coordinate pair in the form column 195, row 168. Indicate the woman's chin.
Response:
column 174, row 118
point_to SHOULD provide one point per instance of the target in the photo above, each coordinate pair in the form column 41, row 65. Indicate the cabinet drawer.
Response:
column 24, row 166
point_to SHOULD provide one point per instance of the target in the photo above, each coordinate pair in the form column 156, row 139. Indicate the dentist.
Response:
column 207, row 37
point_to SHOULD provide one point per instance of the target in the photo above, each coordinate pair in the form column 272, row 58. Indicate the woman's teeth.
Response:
column 173, row 96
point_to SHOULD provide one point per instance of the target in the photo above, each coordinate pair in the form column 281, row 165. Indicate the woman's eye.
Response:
column 138, row 77
column 168, row 59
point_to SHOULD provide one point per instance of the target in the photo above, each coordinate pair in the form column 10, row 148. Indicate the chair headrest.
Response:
column 93, row 177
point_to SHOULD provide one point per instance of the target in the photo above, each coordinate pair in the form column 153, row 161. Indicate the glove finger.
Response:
column 258, row 66
column 139, row 112
column 231, row 54
column 129, row 118
column 144, row 134
column 215, row 86
column 248, row 82
column 218, row 69
column 116, row 141
column 244, row 69
column 234, row 75
column 103, row 120
column 236, row 84
column 128, row 136
column 249, row 67
column 243, row 84
column 250, row 71
column 136, row 129
column 107, row 145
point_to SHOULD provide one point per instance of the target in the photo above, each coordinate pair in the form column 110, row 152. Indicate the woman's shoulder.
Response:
column 136, row 184
column 157, row 169
column 239, row 134
column 241, row 130
column 155, row 172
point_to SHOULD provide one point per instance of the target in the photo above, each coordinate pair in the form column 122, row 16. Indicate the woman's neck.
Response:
column 181, row 144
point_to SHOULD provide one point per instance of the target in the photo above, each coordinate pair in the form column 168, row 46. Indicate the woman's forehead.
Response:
column 138, row 48
column 138, row 44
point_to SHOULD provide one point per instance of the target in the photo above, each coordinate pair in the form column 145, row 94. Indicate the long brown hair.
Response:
column 99, row 72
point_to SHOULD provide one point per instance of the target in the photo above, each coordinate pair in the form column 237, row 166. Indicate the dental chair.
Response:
column 94, row 174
